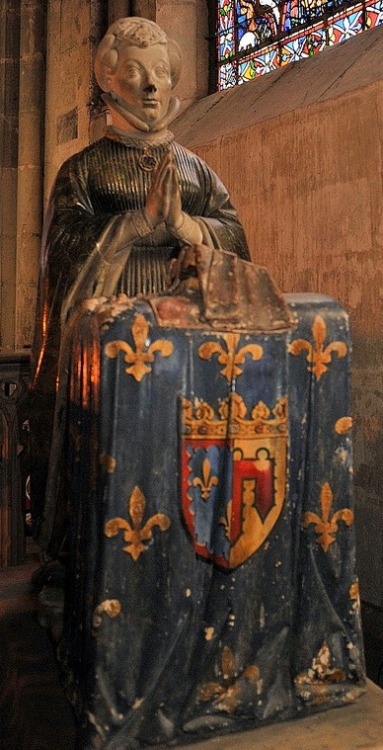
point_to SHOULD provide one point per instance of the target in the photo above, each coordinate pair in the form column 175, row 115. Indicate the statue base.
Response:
column 212, row 585
column 355, row 726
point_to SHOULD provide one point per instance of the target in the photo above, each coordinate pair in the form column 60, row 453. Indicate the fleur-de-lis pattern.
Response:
column 326, row 526
column 232, row 357
column 108, row 462
column 140, row 358
column 318, row 356
column 108, row 308
column 343, row 425
column 111, row 607
column 354, row 595
column 136, row 535
column 141, row 576
column 207, row 480
column 312, row 684
column 226, row 695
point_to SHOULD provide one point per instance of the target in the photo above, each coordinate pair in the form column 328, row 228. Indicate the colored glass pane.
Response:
column 227, row 76
column 257, row 23
column 226, row 30
column 345, row 25
column 256, row 36
column 226, row 45
column 264, row 62
column 303, row 44
column 374, row 14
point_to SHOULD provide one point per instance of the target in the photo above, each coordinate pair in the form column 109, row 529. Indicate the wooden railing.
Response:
column 14, row 375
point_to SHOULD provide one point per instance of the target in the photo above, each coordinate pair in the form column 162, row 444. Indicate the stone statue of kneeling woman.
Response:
column 119, row 213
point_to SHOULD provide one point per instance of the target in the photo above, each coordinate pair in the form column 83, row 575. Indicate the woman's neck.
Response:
column 125, row 120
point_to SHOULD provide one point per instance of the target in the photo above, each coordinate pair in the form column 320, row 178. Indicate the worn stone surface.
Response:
column 30, row 166
column 9, row 80
column 67, row 126
column 353, row 727
column 186, row 22
column 335, row 72
column 368, row 524
column 68, row 82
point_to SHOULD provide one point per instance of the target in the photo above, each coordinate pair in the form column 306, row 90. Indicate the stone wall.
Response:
column 9, row 110
column 71, row 111
column 187, row 23
column 22, row 44
column 302, row 158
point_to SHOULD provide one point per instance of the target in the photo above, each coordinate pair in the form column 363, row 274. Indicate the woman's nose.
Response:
column 150, row 88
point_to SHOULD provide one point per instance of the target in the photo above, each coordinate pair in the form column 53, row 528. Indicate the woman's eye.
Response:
column 161, row 72
column 131, row 72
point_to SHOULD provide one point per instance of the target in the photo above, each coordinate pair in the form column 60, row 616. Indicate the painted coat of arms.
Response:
column 233, row 475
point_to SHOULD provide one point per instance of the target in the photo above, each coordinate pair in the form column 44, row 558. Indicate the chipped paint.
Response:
column 209, row 633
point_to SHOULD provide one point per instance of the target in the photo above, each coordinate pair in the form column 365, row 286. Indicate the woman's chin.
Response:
column 151, row 116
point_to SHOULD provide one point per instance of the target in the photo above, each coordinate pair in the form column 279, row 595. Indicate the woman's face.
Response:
column 142, row 80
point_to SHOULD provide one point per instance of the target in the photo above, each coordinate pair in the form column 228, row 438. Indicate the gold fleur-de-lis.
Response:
column 139, row 357
column 111, row 607
column 135, row 534
column 312, row 683
column 343, row 425
column 108, row 462
column 354, row 595
column 226, row 694
column 318, row 356
column 327, row 527
column 208, row 480
column 106, row 308
column 231, row 358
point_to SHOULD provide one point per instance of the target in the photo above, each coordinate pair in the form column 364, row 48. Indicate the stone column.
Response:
column 186, row 21
column 30, row 165
column 145, row 8
column 119, row 9
column 9, row 110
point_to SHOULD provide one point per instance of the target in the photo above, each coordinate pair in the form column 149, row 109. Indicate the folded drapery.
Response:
column 213, row 583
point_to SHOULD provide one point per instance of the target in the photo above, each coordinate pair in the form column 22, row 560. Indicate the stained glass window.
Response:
column 256, row 36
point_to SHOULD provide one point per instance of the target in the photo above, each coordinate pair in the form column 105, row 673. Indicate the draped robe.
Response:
column 95, row 192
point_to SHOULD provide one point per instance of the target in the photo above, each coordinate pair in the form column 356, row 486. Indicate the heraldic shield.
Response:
column 233, row 475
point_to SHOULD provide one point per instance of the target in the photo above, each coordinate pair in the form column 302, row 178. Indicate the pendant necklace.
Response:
column 145, row 158
column 147, row 161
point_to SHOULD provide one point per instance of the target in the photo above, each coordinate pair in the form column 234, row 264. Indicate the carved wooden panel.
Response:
column 14, row 374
